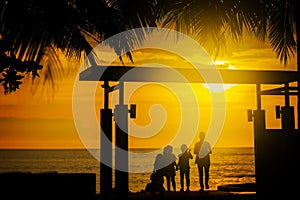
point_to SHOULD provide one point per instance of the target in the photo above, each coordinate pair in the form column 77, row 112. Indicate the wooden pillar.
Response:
column 287, row 113
column 288, row 119
column 298, row 69
column 286, row 95
column 106, row 145
column 106, row 152
column 258, row 96
column 259, row 129
column 121, row 154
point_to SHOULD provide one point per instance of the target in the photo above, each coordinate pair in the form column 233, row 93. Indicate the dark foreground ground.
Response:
column 81, row 186
column 193, row 195
column 223, row 192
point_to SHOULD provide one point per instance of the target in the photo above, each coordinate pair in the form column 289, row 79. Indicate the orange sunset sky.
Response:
column 45, row 121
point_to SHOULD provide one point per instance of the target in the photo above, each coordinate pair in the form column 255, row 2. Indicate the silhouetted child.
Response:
column 170, row 164
column 157, row 180
column 184, row 167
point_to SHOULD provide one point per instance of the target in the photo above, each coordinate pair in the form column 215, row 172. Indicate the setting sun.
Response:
column 220, row 87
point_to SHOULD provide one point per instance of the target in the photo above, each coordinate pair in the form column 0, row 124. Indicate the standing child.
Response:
column 184, row 167
column 170, row 164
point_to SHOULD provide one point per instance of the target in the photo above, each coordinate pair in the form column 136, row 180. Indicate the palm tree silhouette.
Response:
column 32, row 33
column 216, row 21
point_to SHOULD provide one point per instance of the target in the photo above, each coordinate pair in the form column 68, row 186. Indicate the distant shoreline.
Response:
column 147, row 148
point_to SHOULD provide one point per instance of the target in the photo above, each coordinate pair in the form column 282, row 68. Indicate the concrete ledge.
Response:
column 48, row 185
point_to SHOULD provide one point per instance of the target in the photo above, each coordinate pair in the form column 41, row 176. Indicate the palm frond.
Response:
column 282, row 28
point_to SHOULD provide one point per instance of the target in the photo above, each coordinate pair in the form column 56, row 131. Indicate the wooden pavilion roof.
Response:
column 156, row 74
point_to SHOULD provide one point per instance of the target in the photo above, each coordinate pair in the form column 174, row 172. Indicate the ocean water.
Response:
column 228, row 165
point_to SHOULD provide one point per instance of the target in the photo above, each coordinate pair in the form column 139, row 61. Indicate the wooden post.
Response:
column 258, row 96
column 259, row 129
column 106, row 152
column 298, row 70
column 105, row 146
column 121, row 154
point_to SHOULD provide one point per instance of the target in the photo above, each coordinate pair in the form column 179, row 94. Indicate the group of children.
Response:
column 165, row 166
